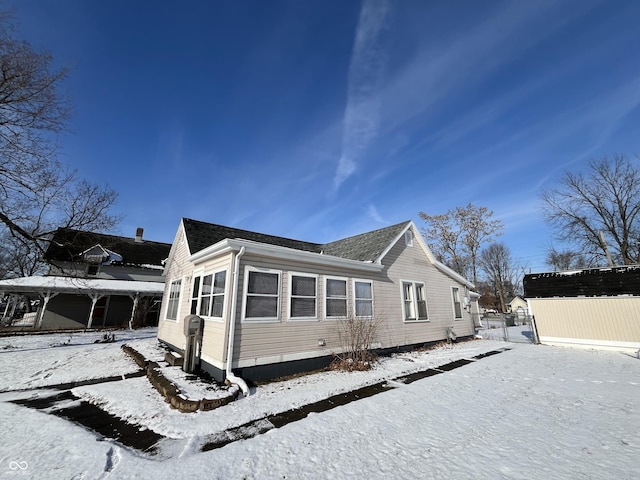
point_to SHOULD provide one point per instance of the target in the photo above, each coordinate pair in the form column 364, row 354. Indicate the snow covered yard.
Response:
column 530, row 412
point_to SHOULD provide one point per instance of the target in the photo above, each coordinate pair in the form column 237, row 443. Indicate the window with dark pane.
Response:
column 363, row 298
column 303, row 296
column 336, row 297
column 262, row 295
column 194, row 296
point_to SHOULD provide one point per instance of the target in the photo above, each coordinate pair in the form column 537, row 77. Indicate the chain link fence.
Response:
column 508, row 327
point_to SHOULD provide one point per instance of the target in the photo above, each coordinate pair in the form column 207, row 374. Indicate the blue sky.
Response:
column 317, row 120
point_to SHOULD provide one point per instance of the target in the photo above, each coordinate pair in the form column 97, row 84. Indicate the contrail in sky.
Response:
column 362, row 113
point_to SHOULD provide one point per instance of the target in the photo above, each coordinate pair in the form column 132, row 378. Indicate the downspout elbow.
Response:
column 234, row 379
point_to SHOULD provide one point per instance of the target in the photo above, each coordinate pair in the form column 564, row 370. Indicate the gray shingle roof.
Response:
column 365, row 247
column 200, row 235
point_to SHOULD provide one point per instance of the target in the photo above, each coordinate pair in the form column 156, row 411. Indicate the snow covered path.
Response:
column 531, row 412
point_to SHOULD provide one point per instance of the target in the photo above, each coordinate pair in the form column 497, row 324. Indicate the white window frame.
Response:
column 174, row 301
column 245, row 294
column 201, row 276
column 291, row 296
column 455, row 299
column 408, row 238
column 355, row 297
column 413, row 293
column 194, row 301
column 345, row 298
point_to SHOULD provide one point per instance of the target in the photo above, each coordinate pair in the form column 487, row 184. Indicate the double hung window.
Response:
column 415, row 303
column 457, row 307
column 336, row 297
column 303, row 294
column 174, row 300
column 363, row 298
column 262, row 297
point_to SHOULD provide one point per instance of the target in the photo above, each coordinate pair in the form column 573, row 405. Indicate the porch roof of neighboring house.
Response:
column 366, row 247
column 74, row 285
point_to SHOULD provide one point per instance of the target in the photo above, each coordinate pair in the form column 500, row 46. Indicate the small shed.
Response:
column 598, row 308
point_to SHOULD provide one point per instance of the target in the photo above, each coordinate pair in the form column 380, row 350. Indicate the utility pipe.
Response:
column 232, row 329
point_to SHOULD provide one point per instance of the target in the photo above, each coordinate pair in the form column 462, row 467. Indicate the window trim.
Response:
column 245, row 294
column 327, row 297
column 458, row 302
column 291, row 296
column 224, row 295
column 414, row 301
column 408, row 238
column 174, row 301
column 355, row 297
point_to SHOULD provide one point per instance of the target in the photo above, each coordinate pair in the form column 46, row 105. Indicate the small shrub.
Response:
column 357, row 336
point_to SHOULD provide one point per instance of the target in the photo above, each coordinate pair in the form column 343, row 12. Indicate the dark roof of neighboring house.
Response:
column 67, row 245
column 364, row 247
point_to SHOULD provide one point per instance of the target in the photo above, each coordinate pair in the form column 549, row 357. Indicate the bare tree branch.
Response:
column 456, row 236
column 37, row 193
column 604, row 198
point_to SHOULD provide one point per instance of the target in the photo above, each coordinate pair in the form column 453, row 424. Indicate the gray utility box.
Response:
column 193, row 325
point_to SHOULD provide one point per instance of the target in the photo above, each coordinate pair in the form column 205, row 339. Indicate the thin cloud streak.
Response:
column 362, row 113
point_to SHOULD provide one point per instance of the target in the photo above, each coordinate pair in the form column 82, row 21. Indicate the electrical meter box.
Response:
column 192, row 325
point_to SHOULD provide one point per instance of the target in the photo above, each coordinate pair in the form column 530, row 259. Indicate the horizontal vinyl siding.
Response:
column 609, row 319
column 214, row 340
column 171, row 331
column 411, row 264
column 255, row 340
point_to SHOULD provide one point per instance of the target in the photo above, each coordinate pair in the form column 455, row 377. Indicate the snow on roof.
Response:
column 77, row 285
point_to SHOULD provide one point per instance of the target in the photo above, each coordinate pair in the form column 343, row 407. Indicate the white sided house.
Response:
column 274, row 306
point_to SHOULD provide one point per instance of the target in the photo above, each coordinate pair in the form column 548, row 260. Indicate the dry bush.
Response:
column 357, row 336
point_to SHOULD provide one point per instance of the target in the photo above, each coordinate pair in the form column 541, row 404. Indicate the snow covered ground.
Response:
column 530, row 412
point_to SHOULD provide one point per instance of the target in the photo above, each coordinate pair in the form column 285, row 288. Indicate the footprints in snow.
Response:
column 113, row 459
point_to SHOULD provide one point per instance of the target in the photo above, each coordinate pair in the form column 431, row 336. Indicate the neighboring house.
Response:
column 95, row 280
column 274, row 306
column 517, row 303
column 590, row 308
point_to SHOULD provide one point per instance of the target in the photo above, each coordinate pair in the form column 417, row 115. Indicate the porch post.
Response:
column 135, row 298
column 46, row 296
column 94, row 299
column 6, row 308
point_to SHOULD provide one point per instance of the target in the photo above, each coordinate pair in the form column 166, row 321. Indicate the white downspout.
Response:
column 232, row 329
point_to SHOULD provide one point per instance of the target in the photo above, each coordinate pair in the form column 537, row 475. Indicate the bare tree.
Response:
column 456, row 236
column 37, row 193
column 606, row 198
column 499, row 267
column 565, row 260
